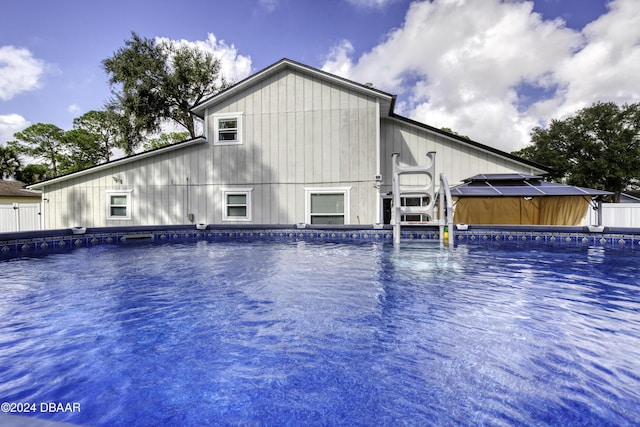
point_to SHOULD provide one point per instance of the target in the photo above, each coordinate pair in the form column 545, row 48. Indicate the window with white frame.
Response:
column 119, row 205
column 327, row 205
column 236, row 204
column 227, row 128
column 415, row 202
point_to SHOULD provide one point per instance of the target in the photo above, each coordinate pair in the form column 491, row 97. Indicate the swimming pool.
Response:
column 299, row 333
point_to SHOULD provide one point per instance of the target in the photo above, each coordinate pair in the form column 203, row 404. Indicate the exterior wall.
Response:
column 297, row 132
column 458, row 161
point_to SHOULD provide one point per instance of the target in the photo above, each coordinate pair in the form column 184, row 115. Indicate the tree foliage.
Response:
column 153, row 82
column 9, row 162
column 165, row 139
column 598, row 147
column 105, row 126
column 88, row 144
column 34, row 172
column 43, row 142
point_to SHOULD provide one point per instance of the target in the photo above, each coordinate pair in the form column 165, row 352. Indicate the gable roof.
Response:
column 387, row 104
column 518, row 185
column 16, row 189
column 387, row 99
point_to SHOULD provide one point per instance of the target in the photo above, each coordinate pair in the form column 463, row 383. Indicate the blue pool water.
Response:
column 324, row 334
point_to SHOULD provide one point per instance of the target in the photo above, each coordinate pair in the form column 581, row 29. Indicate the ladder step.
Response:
column 416, row 210
column 413, row 169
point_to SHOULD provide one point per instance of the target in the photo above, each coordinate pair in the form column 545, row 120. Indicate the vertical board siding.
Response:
column 458, row 161
column 298, row 131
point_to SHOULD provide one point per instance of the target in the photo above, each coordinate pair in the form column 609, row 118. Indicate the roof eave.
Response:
column 283, row 64
column 473, row 143
column 118, row 162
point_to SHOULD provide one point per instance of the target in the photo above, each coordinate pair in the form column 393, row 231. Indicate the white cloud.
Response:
column 73, row 109
column 10, row 124
column 338, row 60
column 19, row 71
column 608, row 66
column 461, row 64
column 233, row 66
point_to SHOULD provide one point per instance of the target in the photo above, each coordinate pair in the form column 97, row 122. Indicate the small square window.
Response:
column 119, row 205
column 237, row 204
column 228, row 128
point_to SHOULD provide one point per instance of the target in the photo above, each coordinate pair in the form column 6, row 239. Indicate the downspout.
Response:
column 378, row 183
column 43, row 199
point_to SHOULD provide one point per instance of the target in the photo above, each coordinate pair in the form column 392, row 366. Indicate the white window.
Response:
column 227, row 128
column 119, row 204
column 236, row 204
column 327, row 205
column 415, row 202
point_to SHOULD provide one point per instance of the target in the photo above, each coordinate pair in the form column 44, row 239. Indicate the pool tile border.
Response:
column 56, row 241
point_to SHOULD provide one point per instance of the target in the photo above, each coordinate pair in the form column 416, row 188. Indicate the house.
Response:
column 19, row 207
column 290, row 144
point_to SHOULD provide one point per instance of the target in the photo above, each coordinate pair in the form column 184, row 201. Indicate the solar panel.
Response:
column 518, row 185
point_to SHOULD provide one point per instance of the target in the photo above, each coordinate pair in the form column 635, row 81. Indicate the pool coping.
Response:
column 61, row 240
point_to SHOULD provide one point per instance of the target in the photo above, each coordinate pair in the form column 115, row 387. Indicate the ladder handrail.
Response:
column 447, row 203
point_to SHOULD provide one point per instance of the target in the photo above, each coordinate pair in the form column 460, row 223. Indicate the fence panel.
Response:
column 20, row 217
column 617, row 215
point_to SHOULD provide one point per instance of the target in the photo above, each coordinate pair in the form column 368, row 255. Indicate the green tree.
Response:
column 9, row 162
column 153, row 82
column 105, row 125
column 43, row 142
column 83, row 150
column 33, row 173
column 165, row 139
column 598, row 147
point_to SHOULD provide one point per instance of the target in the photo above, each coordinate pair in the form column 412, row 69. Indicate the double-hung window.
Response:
column 236, row 204
column 327, row 205
column 227, row 128
column 119, row 204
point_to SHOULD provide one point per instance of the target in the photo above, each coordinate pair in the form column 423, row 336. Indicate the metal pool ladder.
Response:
column 445, row 204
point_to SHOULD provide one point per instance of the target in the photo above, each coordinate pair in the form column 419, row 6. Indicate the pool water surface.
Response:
column 256, row 333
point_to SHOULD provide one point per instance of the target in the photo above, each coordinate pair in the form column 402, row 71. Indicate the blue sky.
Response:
column 489, row 69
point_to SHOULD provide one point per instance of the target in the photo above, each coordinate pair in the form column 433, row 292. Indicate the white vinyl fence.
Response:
column 20, row 217
column 617, row 215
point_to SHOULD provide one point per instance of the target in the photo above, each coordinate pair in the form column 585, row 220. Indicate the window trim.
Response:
column 127, row 194
column 421, row 200
column 216, row 128
column 237, row 191
column 346, row 192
